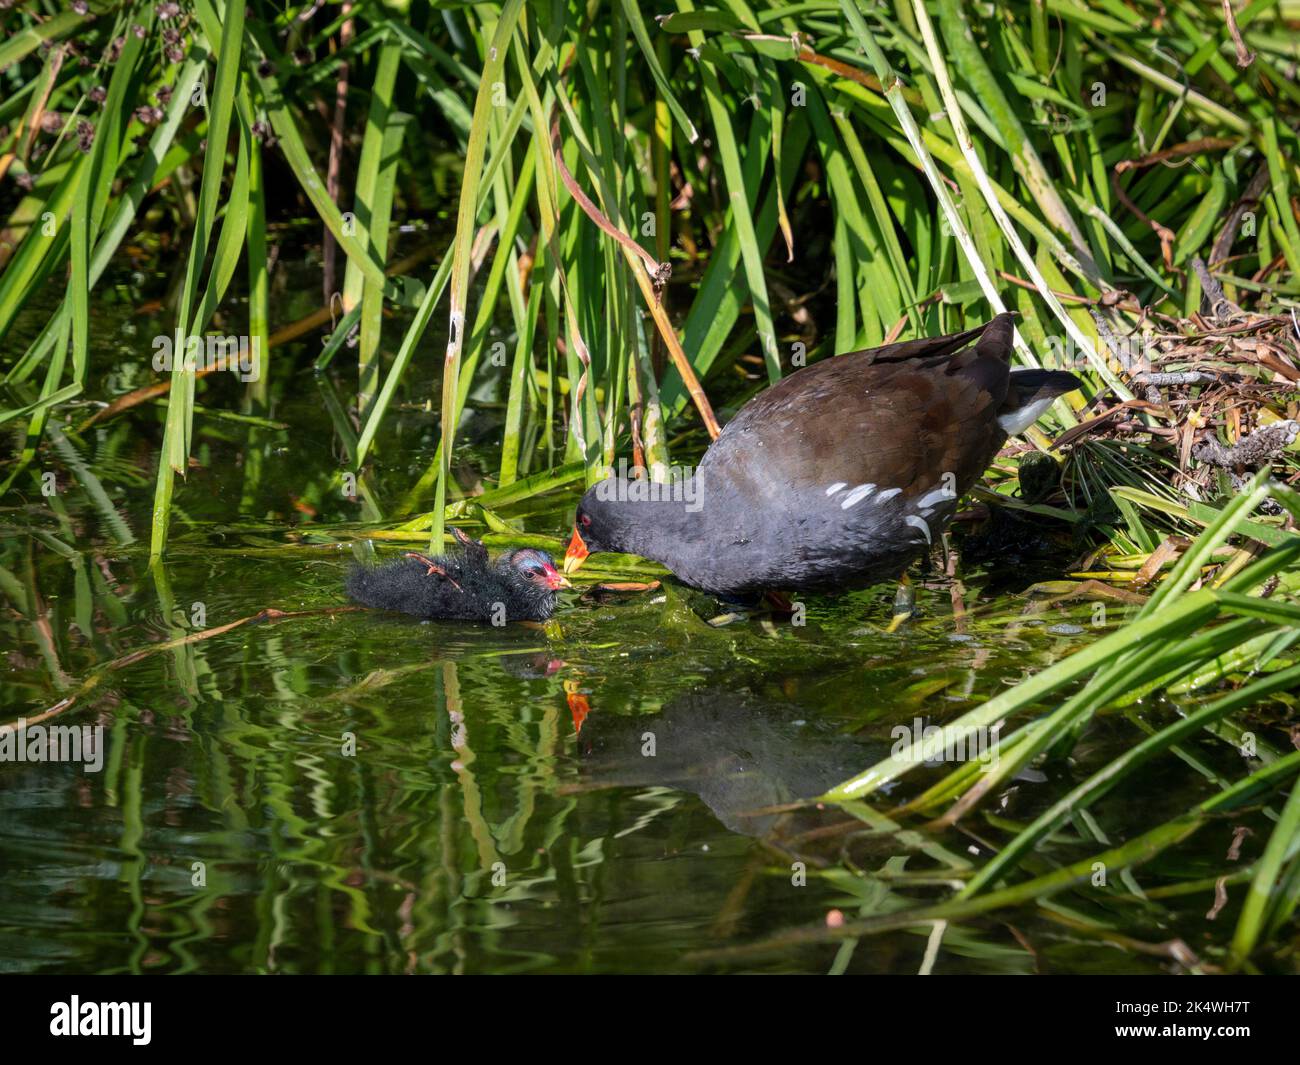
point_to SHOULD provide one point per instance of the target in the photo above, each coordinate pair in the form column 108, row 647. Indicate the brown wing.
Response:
column 898, row 417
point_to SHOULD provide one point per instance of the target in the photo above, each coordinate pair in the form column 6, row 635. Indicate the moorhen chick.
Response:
column 836, row 477
column 462, row 585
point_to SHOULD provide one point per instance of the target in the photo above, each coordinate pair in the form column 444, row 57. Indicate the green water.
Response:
column 354, row 792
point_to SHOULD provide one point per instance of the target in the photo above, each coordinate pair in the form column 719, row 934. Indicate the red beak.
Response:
column 554, row 579
column 576, row 553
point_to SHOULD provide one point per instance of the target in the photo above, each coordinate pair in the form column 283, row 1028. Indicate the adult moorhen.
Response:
column 837, row 476
column 462, row 585
column 741, row 754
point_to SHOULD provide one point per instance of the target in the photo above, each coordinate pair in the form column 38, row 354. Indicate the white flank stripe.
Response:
column 919, row 523
column 937, row 496
column 861, row 492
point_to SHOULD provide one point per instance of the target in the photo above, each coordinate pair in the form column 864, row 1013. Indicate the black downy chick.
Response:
column 462, row 585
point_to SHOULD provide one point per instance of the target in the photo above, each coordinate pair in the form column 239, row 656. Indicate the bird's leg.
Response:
column 433, row 568
column 719, row 620
column 741, row 607
column 904, row 603
column 779, row 602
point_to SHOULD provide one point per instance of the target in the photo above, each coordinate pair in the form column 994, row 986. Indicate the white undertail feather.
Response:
column 1020, row 419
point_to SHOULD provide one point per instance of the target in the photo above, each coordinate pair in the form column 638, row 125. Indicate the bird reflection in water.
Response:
column 745, row 757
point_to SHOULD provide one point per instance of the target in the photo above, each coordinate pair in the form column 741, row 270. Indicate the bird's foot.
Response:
column 762, row 608
column 904, row 604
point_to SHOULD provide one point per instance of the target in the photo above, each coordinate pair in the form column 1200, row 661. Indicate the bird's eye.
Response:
column 584, row 520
